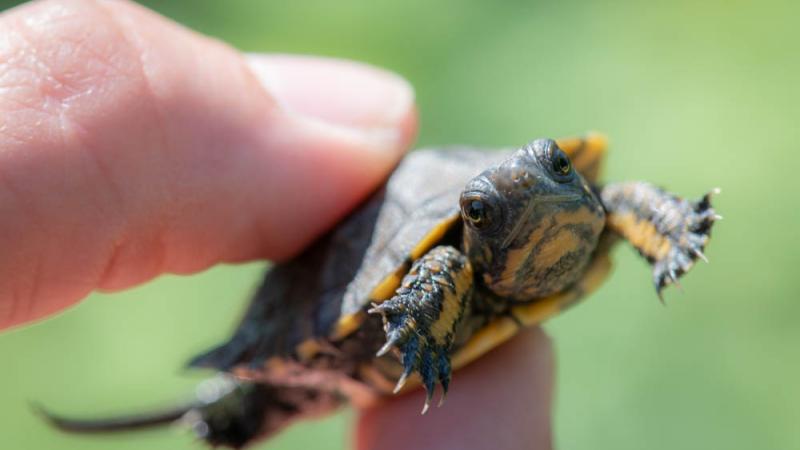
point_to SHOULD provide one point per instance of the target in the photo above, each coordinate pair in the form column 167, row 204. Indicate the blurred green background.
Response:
column 693, row 95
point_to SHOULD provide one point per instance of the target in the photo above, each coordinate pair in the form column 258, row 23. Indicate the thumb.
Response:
column 341, row 127
column 134, row 147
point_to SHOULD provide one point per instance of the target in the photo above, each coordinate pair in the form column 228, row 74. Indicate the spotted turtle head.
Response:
column 531, row 223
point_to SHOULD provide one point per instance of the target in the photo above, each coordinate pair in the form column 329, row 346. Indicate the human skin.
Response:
column 132, row 147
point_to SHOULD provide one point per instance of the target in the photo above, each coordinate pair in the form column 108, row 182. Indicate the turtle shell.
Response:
column 322, row 294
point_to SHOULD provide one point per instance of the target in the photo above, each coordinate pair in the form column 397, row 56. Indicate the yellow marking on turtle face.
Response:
column 503, row 328
column 582, row 215
column 506, row 283
column 565, row 241
column 642, row 234
column 453, row 304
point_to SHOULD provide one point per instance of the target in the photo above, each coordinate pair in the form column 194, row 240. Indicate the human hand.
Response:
column 132, row 147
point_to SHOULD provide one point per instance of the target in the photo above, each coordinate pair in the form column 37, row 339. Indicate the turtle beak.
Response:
column 559, row 198
column 549, row 191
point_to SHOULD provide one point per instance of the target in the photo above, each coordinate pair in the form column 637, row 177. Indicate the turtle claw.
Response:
column 387, row 346
column 400, row 383
column 427, row 404
column 668, row 230
column 688, row 230
column 418, row 353
column 699, row 253
column 420, row 321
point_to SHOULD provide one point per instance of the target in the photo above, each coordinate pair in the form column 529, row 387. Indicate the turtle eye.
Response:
column 560, row 162
column 477, row 211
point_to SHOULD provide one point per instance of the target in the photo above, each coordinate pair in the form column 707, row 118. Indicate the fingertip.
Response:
column 501, row 401
column 339, row 129
column 340, row 92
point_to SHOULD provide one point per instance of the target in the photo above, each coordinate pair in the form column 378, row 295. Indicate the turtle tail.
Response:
column 227, row 413
column 669, row 231
column 111, row 424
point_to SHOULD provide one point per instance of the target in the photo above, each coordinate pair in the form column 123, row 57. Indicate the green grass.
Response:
column 693, row 95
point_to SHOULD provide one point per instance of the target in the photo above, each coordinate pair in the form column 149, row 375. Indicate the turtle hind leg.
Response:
column 421, row 319
column 671, row 232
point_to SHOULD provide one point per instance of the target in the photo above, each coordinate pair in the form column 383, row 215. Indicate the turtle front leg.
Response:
column 421, row 319
column 671, row 232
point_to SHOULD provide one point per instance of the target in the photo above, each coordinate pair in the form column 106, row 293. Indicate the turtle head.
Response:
column 531, row 223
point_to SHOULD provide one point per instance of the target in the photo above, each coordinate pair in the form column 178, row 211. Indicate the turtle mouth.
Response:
column 530, row 207
column 559, row 198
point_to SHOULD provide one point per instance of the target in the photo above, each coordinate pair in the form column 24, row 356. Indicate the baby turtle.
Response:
column 458, row 251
